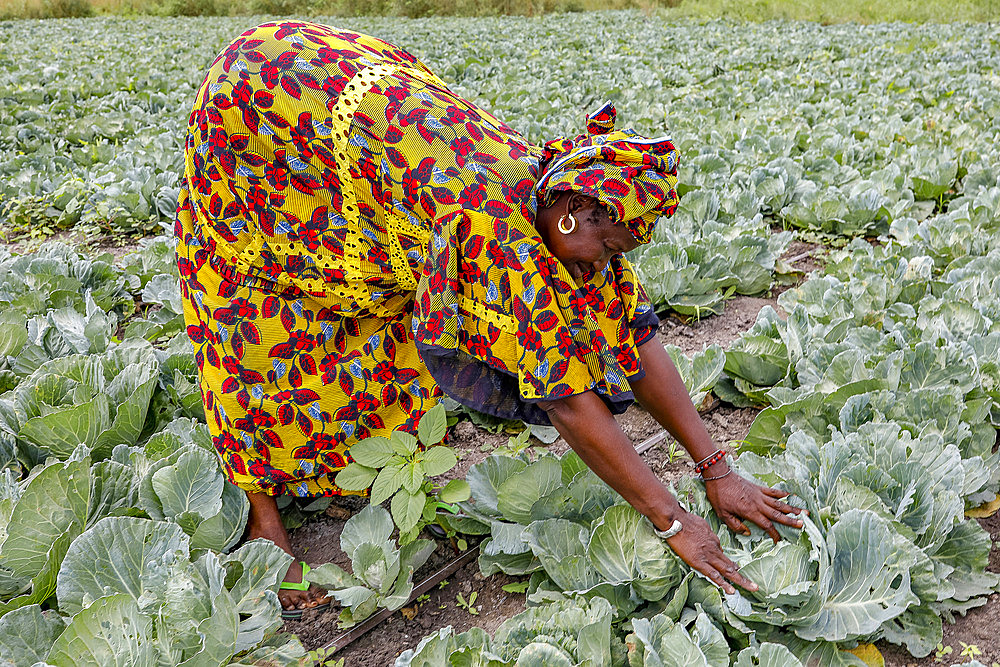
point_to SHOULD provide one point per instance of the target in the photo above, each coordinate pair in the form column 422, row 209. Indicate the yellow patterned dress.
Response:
column 354, row 238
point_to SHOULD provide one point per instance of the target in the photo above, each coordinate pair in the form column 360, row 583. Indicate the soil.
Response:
column 22, row 244
column 94, row 244
column 116, row 247
column 804, row 257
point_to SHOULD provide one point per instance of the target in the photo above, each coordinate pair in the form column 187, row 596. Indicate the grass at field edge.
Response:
column 821, row 11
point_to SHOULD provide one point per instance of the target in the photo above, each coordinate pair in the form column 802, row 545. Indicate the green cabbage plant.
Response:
column 99, row 401
column 383, row 573
column 174, row 478
column 132, row 592
column 569, row 633
column 555, row 517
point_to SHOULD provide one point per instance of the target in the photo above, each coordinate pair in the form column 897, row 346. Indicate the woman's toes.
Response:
column 302, row 600
column 294, row 601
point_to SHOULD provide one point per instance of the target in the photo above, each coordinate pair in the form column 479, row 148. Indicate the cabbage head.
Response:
column 98, row 400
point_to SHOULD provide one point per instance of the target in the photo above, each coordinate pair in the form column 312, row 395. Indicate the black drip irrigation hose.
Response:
column 649, row 442
column 345, row 638
column 807, row 253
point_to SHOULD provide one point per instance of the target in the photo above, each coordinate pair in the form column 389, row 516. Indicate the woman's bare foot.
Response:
column 265, row 522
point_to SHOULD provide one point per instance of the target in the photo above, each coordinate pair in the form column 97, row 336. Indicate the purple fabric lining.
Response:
column 478, row 385
column 648, row 321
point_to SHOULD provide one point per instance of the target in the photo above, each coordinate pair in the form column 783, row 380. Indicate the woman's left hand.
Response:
column 735, row 498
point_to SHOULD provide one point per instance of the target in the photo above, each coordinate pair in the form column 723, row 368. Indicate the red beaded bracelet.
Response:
column 709, row 461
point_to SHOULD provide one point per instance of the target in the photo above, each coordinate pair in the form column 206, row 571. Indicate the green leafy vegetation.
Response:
column 702, row 256
column 879, row 378
column 886, row 554
column 116, row 521
column 565, row 633
column 398, row 468
column 838, row 129
column 124, row 556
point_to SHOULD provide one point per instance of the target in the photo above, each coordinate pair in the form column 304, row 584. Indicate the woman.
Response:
column 355, row 239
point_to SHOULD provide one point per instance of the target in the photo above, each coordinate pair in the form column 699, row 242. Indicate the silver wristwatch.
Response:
column 675, row 528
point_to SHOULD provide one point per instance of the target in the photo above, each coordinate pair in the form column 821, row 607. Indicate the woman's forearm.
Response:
column 591, row 430
column 663, row 395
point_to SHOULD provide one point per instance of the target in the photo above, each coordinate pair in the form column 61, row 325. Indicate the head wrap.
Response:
column 633, row 176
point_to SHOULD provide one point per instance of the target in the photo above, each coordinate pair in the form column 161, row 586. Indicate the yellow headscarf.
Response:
column 635, row 177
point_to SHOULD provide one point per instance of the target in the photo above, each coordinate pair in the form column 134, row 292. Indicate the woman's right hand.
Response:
column 700, row 548
column 591, row 430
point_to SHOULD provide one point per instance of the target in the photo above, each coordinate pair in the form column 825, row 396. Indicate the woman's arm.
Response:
column 663, row 394
column 591, row 430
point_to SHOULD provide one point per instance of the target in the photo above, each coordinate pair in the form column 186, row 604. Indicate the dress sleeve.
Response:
column 642, row 317
column 502, row 326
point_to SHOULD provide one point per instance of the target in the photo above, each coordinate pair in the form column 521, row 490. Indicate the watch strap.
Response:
column 675, row 528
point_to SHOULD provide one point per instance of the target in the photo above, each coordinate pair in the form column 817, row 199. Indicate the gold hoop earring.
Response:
column 572, row 227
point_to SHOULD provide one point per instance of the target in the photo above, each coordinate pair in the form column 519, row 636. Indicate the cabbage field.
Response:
column 873, row 382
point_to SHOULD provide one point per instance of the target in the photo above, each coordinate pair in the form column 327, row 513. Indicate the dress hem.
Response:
column 616, row 405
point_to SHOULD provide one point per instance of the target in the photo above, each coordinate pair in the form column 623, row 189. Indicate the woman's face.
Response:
column 589, row 247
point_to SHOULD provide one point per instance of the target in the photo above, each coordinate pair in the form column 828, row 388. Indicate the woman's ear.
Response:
column 579, row 202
